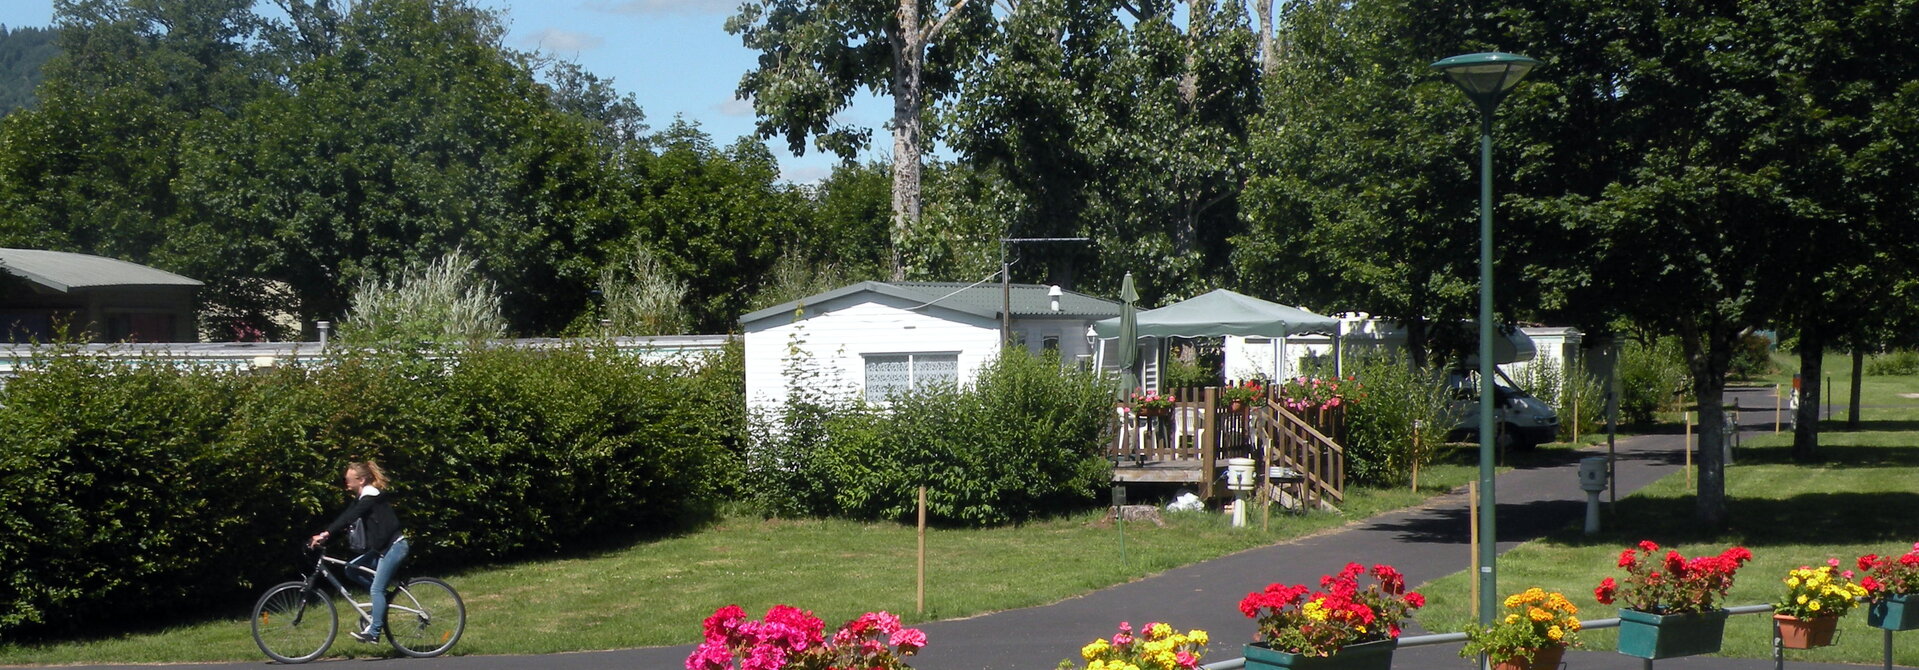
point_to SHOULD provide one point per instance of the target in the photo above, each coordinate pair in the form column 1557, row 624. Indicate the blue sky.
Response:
column 673, row 56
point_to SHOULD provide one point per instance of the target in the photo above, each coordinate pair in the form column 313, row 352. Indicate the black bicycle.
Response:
column 295, row 622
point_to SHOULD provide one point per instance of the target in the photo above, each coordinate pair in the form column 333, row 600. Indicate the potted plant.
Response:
column 1148, row 403
column 1339, row 626
column 790, row 638
column 1815, row 599
column 1156, row 647
column 1890, row 583
column 1538, row 627
column 1239, row 397
column 1668, row 608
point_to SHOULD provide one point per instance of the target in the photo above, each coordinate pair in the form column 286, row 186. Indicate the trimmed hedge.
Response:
column 139, row 486
column 1025, row 439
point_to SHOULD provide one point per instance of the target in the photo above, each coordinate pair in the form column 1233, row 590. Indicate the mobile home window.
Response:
column 887, row 374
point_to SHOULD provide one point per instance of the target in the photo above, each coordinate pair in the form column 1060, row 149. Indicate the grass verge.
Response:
column 657, row 592
column 1857, row 499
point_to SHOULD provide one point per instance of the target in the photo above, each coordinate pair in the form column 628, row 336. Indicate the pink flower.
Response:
column 1186, row 660
column 909, row 640
column 710, row 655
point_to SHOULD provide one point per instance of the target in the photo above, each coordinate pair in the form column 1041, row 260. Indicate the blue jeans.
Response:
column 387, row 564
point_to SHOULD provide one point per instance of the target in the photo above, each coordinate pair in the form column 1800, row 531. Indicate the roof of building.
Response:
column 65, row 271
column 1028, row 300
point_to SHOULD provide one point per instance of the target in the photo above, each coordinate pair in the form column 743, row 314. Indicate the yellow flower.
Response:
column 1512, row 600
column 1092, row 651
column 1792, row 582
column 1159, row 630
column 1802, row 599
column 1572, row 623
column 1555, row 633
column 1814, row 605
column 1197, row 636
column 1096, row 665
column 1539, row 614
column 1512, row 618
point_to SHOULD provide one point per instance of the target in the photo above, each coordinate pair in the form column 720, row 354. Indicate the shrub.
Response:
column 1904, row 362
column 1379, row 426
column 137, row 487
column 445, row 301
column 1562, row 389
column 1652, row 376
column 1024, row 440
column 1753, row 357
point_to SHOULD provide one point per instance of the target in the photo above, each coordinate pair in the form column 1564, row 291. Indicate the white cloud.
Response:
column 735, row 107
column 657, row 7
column 805, row 174
column 554, row 39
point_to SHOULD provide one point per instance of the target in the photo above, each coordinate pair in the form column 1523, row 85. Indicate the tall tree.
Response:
column 1124, row 122
column 1364, row 196
column 815, row 56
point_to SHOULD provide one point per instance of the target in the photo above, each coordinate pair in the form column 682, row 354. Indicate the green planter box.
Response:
column 1896, row 612
column 1368, row 656
column 1656, row 636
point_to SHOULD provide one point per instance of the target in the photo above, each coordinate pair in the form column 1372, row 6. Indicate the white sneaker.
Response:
column 369, row 635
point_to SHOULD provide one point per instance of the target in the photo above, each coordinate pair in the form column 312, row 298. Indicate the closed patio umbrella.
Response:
column 1128, row 340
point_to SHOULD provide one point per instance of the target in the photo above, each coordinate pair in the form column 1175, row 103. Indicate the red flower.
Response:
column 1415, row 600
column 1606, row 591
column 1648, row 546
column 1628, row 558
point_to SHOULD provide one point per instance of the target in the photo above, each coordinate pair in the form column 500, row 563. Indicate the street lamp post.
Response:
column 1486, row 78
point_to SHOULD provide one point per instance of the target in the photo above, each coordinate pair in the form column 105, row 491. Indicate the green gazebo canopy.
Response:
column 1223, row 312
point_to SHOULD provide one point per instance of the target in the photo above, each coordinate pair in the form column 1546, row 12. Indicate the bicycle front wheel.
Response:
column 294, row 625
column 425, row 618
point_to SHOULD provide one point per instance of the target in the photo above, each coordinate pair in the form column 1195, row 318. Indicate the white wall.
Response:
column 836, row 333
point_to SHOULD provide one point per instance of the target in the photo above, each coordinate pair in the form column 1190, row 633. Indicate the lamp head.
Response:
column 1486, row 77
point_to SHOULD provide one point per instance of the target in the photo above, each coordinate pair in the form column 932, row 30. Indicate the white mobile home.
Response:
column 875, row 338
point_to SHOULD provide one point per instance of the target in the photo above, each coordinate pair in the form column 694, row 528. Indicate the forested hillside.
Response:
column 22, row 53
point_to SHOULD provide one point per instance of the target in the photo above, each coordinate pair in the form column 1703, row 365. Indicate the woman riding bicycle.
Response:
column 376, row 531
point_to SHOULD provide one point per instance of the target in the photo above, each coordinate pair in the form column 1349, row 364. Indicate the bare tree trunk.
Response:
column 1805, row 430
column 909, row 53
column 1268, row 58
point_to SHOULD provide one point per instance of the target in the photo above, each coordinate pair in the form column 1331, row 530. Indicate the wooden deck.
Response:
column 1191, row 443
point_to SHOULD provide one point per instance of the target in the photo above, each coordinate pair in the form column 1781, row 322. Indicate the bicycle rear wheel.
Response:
column 425, row 618
column 294, row 625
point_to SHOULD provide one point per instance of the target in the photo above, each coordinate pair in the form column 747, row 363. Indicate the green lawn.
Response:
column 1858, row 499
column 656, row 592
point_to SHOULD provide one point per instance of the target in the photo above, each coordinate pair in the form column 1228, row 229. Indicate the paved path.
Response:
column 1425, row 543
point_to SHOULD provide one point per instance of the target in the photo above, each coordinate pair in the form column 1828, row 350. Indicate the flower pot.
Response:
column 1797, row 633
column 1544, row 658
column 1376, row 655
column 1894, row 612
column 1657, row 636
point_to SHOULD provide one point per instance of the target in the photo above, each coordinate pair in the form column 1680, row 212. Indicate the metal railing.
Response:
column 1778, row 651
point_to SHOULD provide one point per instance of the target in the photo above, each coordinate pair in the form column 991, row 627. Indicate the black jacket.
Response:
column 382, row 525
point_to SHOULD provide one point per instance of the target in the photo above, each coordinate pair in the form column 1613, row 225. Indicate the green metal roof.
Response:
column 65, row 271
column 1028, row 300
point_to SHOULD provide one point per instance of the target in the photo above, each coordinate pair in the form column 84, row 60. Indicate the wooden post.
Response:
column 1778, row 400
column 1472, row 503
column 1575, row 419
column 1416, row 455
column 1207, row 447
column 920, row 591
column 1687, row 416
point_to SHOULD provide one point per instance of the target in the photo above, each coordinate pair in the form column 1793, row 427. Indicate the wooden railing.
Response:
column 1198, row 428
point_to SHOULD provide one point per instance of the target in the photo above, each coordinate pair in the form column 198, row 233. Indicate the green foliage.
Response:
column 446, row 301
column 137, row 487
column 1901, row 362
column 1023, row 441
column 1380, row 426
column 1752, row 358
column 1563, row 389
column 642, row 298
column 1181, row 373
column 1652, row 377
